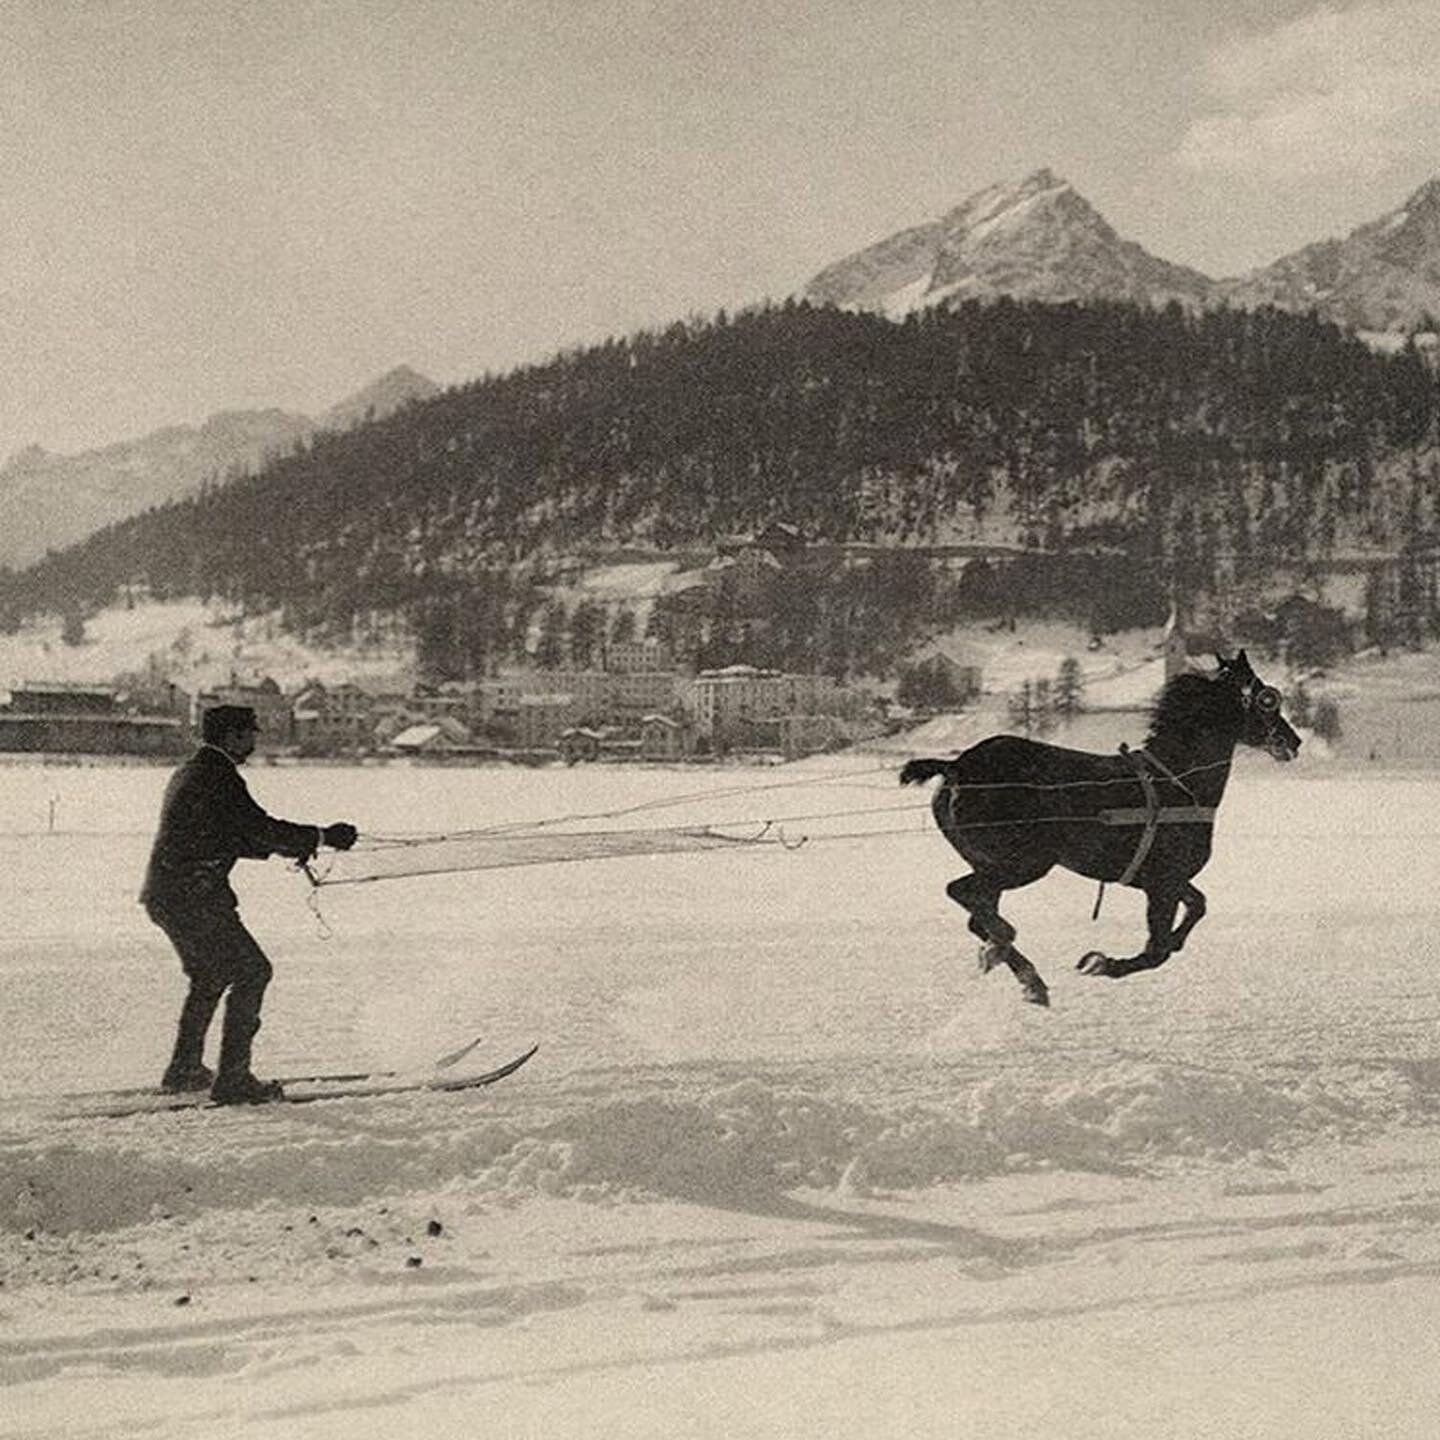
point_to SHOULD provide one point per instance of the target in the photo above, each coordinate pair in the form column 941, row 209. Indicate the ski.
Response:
column 349, row 1088
column 309, row 1077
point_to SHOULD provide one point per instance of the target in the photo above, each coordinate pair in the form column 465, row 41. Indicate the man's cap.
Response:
column 220, row 720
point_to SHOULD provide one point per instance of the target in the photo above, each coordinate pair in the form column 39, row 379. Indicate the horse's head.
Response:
column 1263, row 726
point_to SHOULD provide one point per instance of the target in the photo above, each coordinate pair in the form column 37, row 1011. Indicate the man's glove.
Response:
column 340, row 836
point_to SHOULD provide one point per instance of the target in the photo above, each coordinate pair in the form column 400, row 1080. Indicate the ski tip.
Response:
column 455, row 1056
column 470, row 1082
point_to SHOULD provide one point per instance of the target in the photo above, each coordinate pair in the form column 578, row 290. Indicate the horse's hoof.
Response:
column 990, row 956
column 1036, row 995
column 1093, row 963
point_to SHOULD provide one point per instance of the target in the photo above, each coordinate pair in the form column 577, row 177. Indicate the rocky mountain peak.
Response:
column 1035, row 238
column 1384, row 275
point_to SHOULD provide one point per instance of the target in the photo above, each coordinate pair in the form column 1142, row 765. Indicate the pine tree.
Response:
column 550, row 647
column 1021, row 705
column 1069, row 688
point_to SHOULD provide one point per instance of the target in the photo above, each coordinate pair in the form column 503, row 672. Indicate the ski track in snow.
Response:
column 777, row 1117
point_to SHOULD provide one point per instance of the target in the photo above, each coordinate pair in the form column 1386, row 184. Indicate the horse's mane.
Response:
column 1194, row 704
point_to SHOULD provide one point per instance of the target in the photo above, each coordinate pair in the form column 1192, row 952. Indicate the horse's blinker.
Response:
column 1264, row 698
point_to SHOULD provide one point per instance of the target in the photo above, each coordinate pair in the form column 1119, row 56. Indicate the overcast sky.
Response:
column 213, row 204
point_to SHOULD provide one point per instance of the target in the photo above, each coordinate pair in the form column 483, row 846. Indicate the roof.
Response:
column 415, row 736
column 64, row 687
column 736, row 672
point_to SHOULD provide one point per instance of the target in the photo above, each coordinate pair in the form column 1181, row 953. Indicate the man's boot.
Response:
column 187, row 1069
column 179, row 1080
column 244, row 1089
column 234, row 1084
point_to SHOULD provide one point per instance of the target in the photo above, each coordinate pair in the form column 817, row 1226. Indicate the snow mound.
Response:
column 726, row 1143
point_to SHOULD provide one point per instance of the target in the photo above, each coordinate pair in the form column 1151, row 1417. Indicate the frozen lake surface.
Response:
column 779, row 1133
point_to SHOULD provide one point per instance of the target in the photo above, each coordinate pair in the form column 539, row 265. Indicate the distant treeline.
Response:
column 1175, row 441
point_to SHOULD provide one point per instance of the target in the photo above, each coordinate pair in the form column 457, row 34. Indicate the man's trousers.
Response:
column 218, row 954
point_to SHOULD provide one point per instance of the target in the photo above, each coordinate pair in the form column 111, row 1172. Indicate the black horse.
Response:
column 1014, row 808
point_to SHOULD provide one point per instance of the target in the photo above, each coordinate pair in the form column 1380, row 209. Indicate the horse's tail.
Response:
column 917, row 772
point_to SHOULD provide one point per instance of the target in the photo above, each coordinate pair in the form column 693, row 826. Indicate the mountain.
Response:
column 1385, row 275
column 1097, row 428
column 1040, row 240
column 48, row 501
column 397, row 387
column 1036, row 240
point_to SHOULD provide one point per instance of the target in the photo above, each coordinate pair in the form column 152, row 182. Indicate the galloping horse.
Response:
column 1014, row 808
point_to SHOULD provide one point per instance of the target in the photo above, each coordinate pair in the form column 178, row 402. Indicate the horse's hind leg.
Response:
column 980, row 897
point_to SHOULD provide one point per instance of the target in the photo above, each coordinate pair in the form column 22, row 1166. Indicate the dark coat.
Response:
column 208, row 821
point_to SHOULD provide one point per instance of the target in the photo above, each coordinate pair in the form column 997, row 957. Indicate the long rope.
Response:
column 379, row 841
column 670, row 801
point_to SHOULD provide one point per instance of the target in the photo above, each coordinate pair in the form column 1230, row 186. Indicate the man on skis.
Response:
column 208, row 821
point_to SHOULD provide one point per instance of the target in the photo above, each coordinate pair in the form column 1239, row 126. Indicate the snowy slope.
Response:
column 195, row 644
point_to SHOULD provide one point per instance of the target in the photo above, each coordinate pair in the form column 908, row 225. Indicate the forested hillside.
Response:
column 1172, row 439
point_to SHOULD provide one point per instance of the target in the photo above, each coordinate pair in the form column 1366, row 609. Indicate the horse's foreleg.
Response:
column 1194, row 903
column 1164, row 939
column 981, row 899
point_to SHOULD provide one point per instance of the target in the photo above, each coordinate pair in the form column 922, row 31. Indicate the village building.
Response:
column 497, row 698
column 541, row 717
column 600, row 696
column 56, row 717
column 589, row 690
column 634, row 693
column 779, row 540
column 663, row 737
column 435, row 701
column 331, row 719
column 628, row 657
column 579, row 742
column 156, row 696
column 390, row 709
column 264, row 697
column 730, row 704
column 430, row 737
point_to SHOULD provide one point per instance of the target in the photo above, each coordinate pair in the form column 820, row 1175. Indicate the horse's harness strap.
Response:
column 1154, row 814
column 1164, row 815
column 1152, row 806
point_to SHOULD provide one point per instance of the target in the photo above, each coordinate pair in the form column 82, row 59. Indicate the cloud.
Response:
column 1337, row 93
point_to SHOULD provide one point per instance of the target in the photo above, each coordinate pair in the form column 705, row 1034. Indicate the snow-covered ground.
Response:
column 785, row 1164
